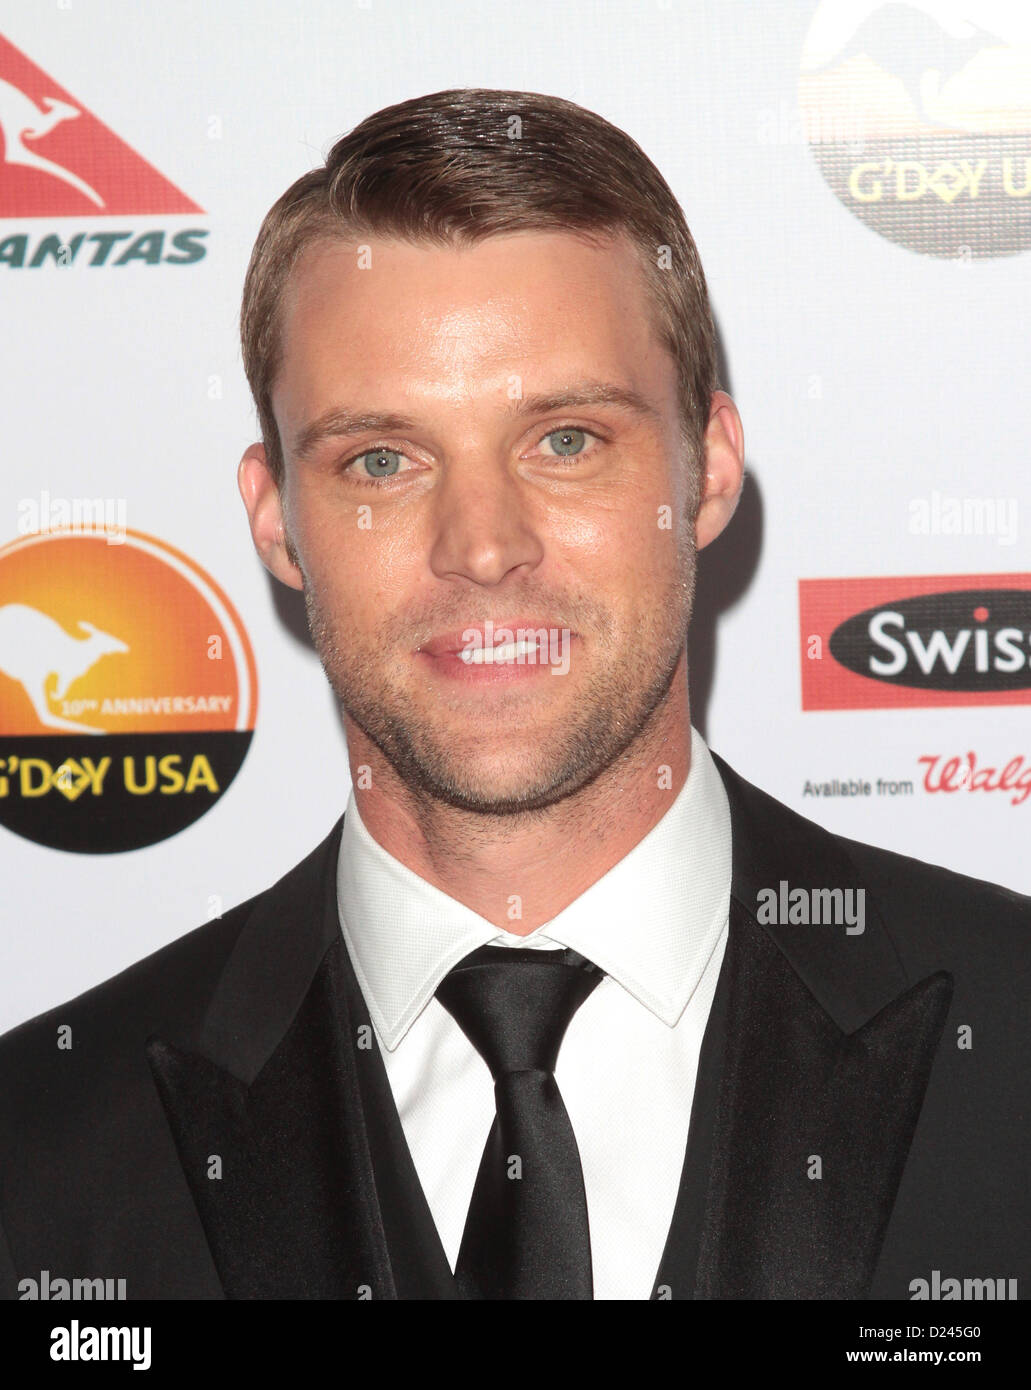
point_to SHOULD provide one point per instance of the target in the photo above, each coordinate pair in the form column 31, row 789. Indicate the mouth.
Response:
column 518, row 649
column 522, row 650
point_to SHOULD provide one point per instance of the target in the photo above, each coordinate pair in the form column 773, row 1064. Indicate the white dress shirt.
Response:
column 656, row 923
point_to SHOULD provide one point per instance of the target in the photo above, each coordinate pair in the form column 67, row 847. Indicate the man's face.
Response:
column 492, row 497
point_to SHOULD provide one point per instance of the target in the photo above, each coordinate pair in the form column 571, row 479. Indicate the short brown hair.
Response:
column 461, row 165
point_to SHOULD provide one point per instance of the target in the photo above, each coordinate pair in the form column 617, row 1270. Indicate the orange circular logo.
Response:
column 128, row 690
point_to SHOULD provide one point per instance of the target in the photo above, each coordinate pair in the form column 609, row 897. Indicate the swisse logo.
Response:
column 128, row 691
column 921, row 641
column 972, row 640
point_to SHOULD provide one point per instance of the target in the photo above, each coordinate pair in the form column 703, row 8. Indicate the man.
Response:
column 524, row 1025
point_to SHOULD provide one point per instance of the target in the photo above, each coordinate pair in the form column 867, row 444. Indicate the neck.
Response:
column 582, row 836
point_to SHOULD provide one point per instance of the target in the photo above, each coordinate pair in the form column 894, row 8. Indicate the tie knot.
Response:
column 515, row 1005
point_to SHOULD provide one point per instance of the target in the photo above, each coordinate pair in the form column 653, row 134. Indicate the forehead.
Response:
column 421, row 320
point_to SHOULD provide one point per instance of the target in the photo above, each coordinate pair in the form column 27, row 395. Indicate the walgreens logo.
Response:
column 942, row 640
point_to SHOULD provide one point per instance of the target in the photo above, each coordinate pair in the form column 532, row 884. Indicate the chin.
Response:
column 496, row 794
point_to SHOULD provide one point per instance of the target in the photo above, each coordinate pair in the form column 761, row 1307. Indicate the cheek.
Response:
column 364, row 571
column 625, row 540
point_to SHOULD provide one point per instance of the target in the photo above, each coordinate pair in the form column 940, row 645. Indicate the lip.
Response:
column 448, row 644
column 443, row 657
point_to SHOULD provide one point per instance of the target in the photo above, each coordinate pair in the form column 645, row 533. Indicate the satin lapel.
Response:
column 812, row 1129
column 265, row 1105
column 279, row 1170
column 419, row 1264
column 813, row 1073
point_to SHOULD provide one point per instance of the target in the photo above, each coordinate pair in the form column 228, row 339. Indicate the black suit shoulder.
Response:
column 934, row 914
column 73, row 1056
column 928, row 910
column 68, row 1068
column 90, row 1181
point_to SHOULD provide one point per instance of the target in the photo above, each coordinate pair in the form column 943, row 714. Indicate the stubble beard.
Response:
column 618, row 703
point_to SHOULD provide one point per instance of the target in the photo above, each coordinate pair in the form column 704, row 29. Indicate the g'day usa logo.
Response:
column 946, row 640
column 60, row 161
column 919, row 119
column 128, row 691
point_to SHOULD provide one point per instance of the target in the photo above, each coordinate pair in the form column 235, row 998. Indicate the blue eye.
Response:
column 570, row 441
column 380, row 463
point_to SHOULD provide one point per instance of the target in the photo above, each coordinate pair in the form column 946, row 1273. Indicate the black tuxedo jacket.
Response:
column 222, row 1125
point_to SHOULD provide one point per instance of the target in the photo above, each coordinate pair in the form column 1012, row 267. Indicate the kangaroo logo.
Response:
column 33, row 648
column 83, row 163
column 172, row 684
column 917, row 116
column 21, row 119
column 922, row 44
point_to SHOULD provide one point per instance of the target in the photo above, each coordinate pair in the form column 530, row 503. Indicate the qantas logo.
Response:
column 58, row 160
column 21, row 119
column 61, row 161
column 921, row 641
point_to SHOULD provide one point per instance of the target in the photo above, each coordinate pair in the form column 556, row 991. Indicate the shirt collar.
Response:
column 651, row 922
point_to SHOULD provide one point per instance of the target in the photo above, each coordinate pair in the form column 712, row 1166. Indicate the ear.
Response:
column 724, row 468
column 264, row 506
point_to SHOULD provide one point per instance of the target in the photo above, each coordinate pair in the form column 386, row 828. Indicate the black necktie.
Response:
column 526, row 1234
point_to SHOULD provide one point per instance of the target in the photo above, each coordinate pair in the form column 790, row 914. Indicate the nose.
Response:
column 483, row 523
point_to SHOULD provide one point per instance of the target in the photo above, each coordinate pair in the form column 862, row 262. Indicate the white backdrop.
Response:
column 869, row 376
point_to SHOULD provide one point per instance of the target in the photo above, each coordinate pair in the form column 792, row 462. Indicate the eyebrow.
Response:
column 341, row 423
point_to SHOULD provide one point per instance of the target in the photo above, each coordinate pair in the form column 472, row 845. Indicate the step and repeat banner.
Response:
column 857, row 177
